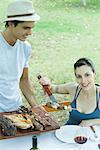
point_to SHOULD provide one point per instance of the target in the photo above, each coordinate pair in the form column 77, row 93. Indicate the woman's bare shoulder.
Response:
column 98, row 89
column 71, row 87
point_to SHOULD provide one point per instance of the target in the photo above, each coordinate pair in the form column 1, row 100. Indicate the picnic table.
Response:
column 46, row 141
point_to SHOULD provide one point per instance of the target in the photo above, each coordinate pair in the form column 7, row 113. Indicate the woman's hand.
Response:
column 90, row 122
column 45, row 81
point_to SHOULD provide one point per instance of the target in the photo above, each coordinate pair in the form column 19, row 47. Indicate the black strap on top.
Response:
column 97, row 96
column 97, row 84
column 77, row 92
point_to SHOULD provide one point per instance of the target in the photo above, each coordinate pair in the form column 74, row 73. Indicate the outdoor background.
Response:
column 66, row 32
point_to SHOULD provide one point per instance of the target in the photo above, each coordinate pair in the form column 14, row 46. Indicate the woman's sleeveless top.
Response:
column 75, row 117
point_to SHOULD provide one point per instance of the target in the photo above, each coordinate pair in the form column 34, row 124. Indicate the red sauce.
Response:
column 80, row 139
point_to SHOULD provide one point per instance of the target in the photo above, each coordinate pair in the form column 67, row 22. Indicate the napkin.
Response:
column 63, row 146
column 90, row 146
column 66, row 146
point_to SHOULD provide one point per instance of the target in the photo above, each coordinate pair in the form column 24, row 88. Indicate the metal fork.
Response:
column 93, row 130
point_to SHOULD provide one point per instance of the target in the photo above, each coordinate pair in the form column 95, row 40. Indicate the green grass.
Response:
column 66, row 32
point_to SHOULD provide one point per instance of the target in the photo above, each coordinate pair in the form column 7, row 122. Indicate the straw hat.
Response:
column 21, row 10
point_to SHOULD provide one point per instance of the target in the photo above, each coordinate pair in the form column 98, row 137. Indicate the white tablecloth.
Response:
column 46, row 141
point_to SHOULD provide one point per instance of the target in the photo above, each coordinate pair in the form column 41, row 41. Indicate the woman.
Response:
column 85, row 94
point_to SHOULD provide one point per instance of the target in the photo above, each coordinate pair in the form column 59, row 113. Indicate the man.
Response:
column 14, row 55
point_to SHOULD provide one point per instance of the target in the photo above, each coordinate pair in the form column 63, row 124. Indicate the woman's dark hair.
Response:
column 15, row 22
column 84, row 61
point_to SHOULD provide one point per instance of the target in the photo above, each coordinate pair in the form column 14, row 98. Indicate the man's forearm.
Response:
column 27, row 91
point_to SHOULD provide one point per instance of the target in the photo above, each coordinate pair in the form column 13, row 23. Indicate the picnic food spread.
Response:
column 22, row 121
column 26, row 121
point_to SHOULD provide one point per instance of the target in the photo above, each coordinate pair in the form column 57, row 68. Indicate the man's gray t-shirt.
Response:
column 13, row 59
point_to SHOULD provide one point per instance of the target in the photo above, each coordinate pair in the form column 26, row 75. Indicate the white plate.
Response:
column 67, row 133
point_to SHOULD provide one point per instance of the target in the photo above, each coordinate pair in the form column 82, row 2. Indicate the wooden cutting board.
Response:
column 23, row 132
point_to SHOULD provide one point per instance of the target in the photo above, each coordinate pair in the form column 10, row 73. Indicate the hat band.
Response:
column 20, row 15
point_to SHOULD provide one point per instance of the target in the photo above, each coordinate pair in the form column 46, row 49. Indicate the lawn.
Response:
column 66, row 32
